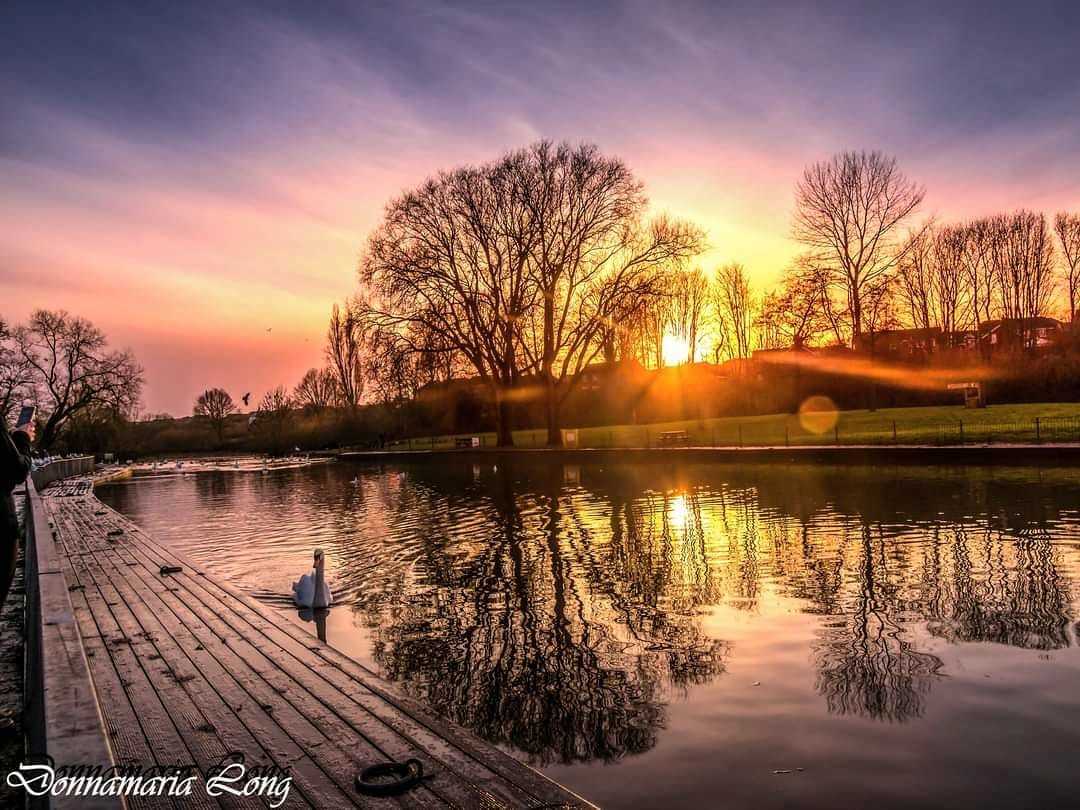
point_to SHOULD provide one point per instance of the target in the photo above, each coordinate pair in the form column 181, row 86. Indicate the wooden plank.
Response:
column 322, row 792
column 234, row 707
column 273, row 701
column 126, row 735
column 64, row 719
column 155, row 720
column 180, row 653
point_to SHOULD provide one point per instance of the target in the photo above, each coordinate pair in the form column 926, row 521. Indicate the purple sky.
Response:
column 189, row 177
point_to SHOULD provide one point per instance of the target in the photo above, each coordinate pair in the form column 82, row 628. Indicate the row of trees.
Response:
column 523, row 271
column 63, row 364
column 866, row 267
column 956, row 276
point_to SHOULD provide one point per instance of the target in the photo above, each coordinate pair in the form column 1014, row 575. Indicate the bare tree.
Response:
column 915, row 274
column 318, row 389
column 636, row 328
column 74, row 370
column 980, row 269
column 932, row 278
column 734, row 305
column 396, row 372
column 719, row 348
column 16, row 375
column 1022, row 255
column 949, row 278
column 652, row 321
column 792, row 316
column 274, row 415
column 1067, row 227
column 879, row 306
column 690, row 303
column 847, row 213
column 344, row 341
column 215, row 406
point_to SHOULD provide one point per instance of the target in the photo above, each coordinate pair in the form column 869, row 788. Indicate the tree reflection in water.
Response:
column 571, row 615
column 551, row 641
column 1001, row 592
column 866, row 666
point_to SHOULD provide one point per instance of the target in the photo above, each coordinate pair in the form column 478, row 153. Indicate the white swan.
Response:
column 311, row 590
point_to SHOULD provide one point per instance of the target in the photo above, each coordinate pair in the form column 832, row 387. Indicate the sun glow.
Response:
column 676, row 350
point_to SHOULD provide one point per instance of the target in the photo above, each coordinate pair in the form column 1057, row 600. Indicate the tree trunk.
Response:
column 49, row 434
column 551, row 413
column 551, row 405
column 856, row 314
column 504, row 434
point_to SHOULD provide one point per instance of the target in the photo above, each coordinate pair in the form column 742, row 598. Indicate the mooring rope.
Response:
column 406, row 775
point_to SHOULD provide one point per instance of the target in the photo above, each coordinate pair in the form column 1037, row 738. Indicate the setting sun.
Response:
column 676, row 350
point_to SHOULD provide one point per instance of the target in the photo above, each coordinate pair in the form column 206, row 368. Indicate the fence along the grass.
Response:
column 788, row 431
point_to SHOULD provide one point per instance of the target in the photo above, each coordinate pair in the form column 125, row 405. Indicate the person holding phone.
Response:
column 15, row 464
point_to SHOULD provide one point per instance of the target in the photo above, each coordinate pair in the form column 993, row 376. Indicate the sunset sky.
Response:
column 191, row 175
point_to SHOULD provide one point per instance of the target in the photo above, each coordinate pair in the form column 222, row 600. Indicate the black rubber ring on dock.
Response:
column 372, row 780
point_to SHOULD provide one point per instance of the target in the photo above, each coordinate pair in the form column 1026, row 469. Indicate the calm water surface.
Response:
column 672, row 635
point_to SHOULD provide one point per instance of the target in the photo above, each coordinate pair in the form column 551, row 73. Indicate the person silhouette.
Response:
column 15, row 465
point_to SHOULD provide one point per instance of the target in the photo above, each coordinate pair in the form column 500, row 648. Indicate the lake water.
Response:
column 684, row 635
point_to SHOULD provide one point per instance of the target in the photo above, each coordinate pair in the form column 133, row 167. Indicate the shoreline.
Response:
column 987, row 454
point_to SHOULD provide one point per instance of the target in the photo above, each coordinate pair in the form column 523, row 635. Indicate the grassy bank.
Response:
column 937, row 425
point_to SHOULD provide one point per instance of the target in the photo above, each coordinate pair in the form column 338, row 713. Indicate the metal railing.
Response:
column 787, row 432
column 63, row 719
column 61, row 468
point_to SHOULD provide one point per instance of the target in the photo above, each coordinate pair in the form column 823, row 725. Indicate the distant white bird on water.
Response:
column 311, row 590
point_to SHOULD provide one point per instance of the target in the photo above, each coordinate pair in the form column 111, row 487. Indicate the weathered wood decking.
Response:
column 188, row 670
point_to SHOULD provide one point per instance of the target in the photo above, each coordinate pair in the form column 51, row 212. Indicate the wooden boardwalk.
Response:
column 188, row 670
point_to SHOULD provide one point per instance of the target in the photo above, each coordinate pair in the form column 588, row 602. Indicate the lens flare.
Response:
column 818, row 414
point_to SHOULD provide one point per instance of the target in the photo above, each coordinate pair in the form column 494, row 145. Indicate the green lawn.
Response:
column 951, row 424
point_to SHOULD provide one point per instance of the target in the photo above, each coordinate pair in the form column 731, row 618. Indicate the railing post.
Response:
column 740, row 435
column 1038, row 432
column 836, row 433
column 787, row 441
column 961, row 431
column 894, row 431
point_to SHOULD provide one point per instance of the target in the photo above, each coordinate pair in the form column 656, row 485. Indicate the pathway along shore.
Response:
column 186, row 669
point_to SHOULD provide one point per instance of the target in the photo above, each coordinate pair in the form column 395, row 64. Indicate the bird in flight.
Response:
column 246, row 397
column 271, row 329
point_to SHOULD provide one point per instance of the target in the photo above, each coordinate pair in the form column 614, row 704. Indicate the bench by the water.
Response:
column 187, row 670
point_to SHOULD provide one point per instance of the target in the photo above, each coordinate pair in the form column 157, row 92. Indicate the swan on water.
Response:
column 311, row 590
